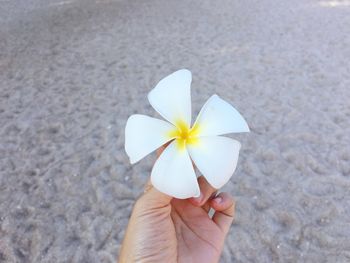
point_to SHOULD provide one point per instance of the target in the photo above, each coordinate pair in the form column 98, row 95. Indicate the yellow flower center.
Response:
column 184, row 134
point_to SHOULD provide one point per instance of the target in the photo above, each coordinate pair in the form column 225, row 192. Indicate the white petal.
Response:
column 144, row 134
column 218, row 117
column 171, row 98
column 173, row 173
column 216, row 158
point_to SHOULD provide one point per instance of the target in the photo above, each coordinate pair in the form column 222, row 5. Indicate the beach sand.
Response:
column 73, row 71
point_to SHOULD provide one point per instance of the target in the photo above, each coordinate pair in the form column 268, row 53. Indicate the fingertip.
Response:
column 152, row 197
column 197, row 201
column 222, row 202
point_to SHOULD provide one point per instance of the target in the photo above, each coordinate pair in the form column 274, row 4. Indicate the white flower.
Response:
column 214, row 156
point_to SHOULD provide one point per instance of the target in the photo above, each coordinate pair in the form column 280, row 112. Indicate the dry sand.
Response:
column 72, row 71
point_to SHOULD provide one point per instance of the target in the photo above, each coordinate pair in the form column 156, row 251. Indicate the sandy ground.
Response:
column 72, row 71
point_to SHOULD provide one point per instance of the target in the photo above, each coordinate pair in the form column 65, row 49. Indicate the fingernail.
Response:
column 218, row 200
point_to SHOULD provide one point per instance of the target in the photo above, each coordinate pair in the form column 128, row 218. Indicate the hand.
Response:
column 165, row 229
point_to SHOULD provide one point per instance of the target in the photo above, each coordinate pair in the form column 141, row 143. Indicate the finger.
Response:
column 207, row 192
column 224, row 206
column 206, row 207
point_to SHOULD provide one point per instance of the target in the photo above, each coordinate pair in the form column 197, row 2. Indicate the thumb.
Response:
column 153, row 198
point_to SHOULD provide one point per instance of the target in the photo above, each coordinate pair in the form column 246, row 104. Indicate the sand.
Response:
column 71, row 72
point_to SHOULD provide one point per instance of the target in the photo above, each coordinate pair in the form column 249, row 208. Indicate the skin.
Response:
column 166, row 229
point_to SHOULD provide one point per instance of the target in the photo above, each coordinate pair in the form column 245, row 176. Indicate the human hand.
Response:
column 166, row 229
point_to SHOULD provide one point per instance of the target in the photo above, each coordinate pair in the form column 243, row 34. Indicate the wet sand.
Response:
column 71, row 72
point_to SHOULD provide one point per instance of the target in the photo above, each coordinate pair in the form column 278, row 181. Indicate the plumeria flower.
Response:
column 215, row 156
